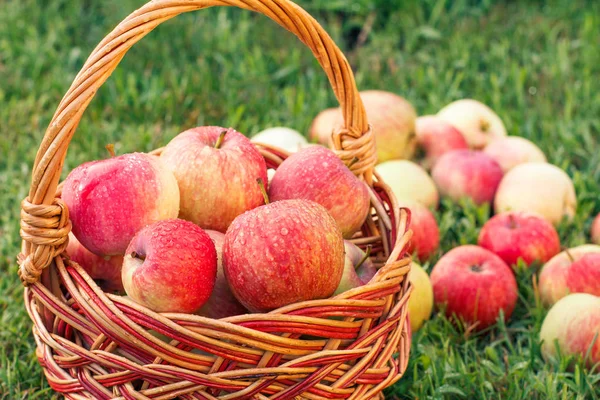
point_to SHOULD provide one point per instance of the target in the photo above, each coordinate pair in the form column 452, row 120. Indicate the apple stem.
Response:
column 136, row 255
column 571, row 258
column 220, row 140
column 485, row 126
column 511, row 221
column 353, row 161
column 111, row 149
column 263, row 190
column 365, row 257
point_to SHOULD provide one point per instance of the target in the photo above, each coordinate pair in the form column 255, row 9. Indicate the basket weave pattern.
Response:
column 94, row 345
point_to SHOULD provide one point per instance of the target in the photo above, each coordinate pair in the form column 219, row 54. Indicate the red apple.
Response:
column 426, row 234
column 317, row 174
column 576, row 270
column 110, row 200
column 437, row 137
column 282, row 253
column 596, row 230
column 221, row 303
column 474, row 284
column 324, row 124
column 511, row 151
column 170, row 266
column 105, row 270
column 520, row 235
column 467, row 173
column 216, row 169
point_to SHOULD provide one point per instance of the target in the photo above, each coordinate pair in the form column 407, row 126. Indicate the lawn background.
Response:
column 536, row 63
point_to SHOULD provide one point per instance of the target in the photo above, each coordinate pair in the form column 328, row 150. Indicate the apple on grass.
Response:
column 216, row 169
column 511, row 151
column 287, row 139
column 358, row 268
column 476, row 121
column 282, row 253
column 426, row 234
column 467, row 174
column 474, row 285
column 105, row 270
column 420, row 303
column 576, row 270
column 573, row 324
column 409, row 182
column 437, row 137
column 317, row 174
column 110, row 200
column 537, row 187
column 596, row 230
column 520, row 235
column 170, row 266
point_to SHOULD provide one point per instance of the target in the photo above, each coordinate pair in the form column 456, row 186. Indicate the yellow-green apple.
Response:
column 576, row 270
column 596, row 230
column 358, row 268
column 420, row 303
column 540, row 188
column 221, row 303
column 573, row 324
column 105, row 270
column 511, row 151
column 474, row 285
column 216, row 169
column 317, row 174
column 520, row 235
column 409, row 182
column 170, row 266
column 476, row 121
column 437, row 137
column 426, row 234
column 324, row 124
column 467, row 173
column 287, row 139
column 282, row 253
column 110, row 200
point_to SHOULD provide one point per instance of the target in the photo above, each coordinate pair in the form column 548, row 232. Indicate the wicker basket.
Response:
column 94, row 345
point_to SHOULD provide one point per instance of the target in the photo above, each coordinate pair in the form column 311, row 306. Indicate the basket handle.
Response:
column 44, row 219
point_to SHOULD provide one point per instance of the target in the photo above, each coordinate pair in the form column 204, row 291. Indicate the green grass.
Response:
column 536, row 63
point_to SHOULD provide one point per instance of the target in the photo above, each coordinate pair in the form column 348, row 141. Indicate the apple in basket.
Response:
column 437, row 137
column 281, row 253
column 284, row 138
column 511, row 151
column 409, row 182
column 476, row 121
column 595, row 233
column 170, row 266
column 216, row 169
column 317, row 174
column 110, row 200
column 467, row 173
column 324, row 124
column 358, row 268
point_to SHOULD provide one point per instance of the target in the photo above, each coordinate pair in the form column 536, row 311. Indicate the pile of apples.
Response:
column 200, row 229
column 464, row 152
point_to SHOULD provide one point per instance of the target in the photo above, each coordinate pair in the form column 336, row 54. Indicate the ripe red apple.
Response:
column 511, row 151
column 576, row 270
column 287, row 139
column 110, row 200
column 170, row 266
column 520, row 235
column 437, row 137
column 358, row 268
column 476, row 121
column 537, row 187
column 474, row 284
column 216, row 169
column 467, row 173
column 221, row 303
column 426, row 234
column 574, row 324
column 105, row 270
column 324, row 124
column 596, row 230
column 409, row 182
column 282, row 253
column 317, row 174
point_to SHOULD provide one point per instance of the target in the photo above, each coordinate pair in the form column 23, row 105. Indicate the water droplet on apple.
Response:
column 284, row 231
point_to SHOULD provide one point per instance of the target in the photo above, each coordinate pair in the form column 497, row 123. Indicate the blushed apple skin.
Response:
column 317, row 174
column 282, row 253
column 409, row 182
column 573, row 322
column 324, row 124
column 541, row 188
column 221, row 303
column 420, row 303
column 170, row 266
column 520, row 235
column 511, row 151
column 107, row 270
column 437, row 137
column 367, row 270
column 110, row 200
column 476, row 121
column 426, row 233
column 595, row 233
column 475, row 295
column 467, row 173
column 570, row 272
column 216, row 185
